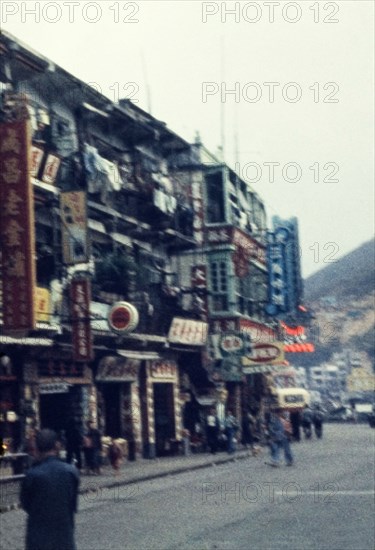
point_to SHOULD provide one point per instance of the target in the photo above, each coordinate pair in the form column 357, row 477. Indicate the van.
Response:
column 292, row 399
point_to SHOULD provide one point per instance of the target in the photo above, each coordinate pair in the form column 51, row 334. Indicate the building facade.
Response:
column 148, row 268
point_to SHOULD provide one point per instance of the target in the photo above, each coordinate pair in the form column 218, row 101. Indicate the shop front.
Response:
column 10, row 427
column 161, row 410
column 56, row 391
column 117, row 380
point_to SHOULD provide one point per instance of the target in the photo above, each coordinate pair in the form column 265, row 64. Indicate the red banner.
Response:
column 80, row 296
column 17, row 227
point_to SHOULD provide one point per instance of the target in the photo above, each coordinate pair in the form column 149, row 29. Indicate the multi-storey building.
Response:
column 108, row 216
column 126, row 213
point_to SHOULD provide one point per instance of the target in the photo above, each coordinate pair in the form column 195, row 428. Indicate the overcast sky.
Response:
column 316, row 120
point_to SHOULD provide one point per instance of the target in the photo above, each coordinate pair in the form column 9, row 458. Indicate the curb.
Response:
column 167, row 473
column 175, row 471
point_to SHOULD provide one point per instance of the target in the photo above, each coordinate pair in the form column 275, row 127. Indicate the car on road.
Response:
column 341, row 414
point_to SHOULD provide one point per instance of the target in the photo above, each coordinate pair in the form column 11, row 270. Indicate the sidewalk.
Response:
column 133, row 472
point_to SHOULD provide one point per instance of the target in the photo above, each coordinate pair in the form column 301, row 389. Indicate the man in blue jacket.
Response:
column 280, row 432
column 49, row 495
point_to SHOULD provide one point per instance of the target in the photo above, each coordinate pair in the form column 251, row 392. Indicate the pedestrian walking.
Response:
column 92, row 446
column 295, row 420
column 280, row 432
column 318, row 417
column 49, row 495
column 231, row 428
column 73, row 440
column 307, row 418
column 212, row 430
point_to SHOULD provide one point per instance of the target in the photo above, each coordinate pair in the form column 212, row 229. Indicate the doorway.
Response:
column 111, row 395
column 54, row 410
column 165, row 429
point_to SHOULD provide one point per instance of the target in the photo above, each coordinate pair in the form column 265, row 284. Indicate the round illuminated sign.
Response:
column 231, row 343
column 123, row 317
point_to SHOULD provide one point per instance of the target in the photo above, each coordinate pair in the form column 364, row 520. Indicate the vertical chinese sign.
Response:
column 74, row 227
column 80, row 310
column 17, row 228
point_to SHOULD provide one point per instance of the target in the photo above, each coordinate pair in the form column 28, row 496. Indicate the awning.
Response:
column 26, row 341
column 141, row 355
column 206, row 401
column 96, row 226
column 123, row 239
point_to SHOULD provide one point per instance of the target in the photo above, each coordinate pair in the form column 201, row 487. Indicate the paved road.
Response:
column 325, row 502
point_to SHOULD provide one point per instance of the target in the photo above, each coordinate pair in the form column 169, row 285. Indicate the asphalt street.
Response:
column 325, row 501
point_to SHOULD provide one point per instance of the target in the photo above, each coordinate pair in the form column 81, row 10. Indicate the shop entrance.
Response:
column 54, row 410
column 111, row 395
column 165, row 429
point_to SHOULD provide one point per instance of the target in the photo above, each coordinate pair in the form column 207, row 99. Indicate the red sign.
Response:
column 17, row 227
column 123, row 317
column 199, row 282
column 264, row 353
column 80, row 295
column 258, row 333
column 249, row 246
column 36, row 160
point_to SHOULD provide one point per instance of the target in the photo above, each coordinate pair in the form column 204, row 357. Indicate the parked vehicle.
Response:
column 341, row 414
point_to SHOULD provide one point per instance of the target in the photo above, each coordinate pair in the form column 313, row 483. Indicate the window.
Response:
column 219, row 285
column 215, row 197
column 251, row 293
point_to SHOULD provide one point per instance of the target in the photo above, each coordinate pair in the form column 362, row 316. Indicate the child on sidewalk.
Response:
column 115, row 456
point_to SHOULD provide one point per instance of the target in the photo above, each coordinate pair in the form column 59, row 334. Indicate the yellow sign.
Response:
column 42, row 305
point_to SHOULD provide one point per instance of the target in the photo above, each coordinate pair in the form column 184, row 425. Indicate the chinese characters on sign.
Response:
column 17, row 227
column 163, row 370
column 81, row 327
column 51, row 168
column 197, row 198
column 277, row 287
column 74, row 227
column 186, row 331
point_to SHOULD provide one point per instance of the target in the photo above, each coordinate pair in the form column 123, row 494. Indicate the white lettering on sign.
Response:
column 53, row 388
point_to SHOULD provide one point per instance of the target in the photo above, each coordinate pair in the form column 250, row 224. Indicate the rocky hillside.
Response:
column 342, row 296
column 352, row 276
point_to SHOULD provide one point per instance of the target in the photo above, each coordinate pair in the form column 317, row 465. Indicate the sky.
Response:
column 285, row 88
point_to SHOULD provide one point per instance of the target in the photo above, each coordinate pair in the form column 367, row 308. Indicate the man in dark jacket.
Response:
column 49, row 495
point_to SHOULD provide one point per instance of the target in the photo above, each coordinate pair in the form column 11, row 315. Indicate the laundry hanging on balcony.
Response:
column 103, row 175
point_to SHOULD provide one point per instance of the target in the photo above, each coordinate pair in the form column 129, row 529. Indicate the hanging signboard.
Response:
column 74, row 233
column 36, row 160
column 264, row 353
column 42, row 305
column 80, row 294
column 17, row 227
column 51, row 168
column 188, row 331
column 277, row 277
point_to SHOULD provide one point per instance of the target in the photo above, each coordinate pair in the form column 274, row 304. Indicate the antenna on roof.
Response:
column 222, row 104
column 147, row 87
